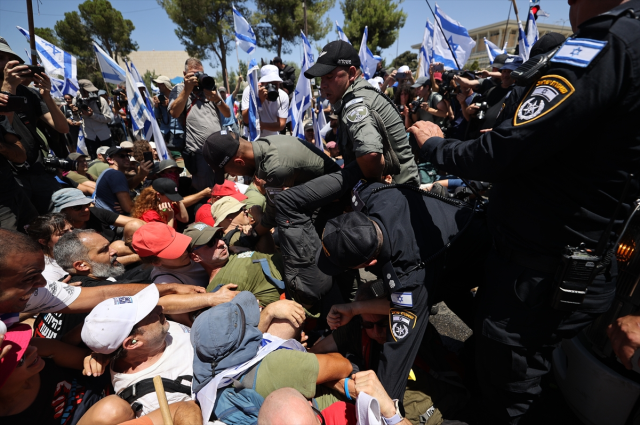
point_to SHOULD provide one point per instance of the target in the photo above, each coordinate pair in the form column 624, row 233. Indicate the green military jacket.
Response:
column 286, row 161
column 359, row 132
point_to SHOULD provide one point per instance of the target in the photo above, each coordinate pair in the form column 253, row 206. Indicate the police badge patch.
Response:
column 358, row 114
column 401, row 322
column 546, row 95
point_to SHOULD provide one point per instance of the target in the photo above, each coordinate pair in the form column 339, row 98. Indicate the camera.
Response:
column 401, row 108
column 415, row 105
column 482, row 109
column 35, row 70
column 161, row 98
column 272, row 92
column 445, row 90
column 52, row 163
column 204, row 81
column 15, row 104
column 83, row 102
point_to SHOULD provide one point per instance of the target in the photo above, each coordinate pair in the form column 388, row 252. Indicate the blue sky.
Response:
column 155, row 31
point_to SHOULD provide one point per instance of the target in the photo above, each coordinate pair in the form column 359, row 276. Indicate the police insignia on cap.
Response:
column 547, row 94
column 358, row 114
column 401, row 322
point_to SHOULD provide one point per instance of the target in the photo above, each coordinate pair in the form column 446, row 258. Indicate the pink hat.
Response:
column 331, row 145
column 18, row 336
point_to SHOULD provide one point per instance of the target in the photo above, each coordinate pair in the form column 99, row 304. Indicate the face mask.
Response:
column 173, row 176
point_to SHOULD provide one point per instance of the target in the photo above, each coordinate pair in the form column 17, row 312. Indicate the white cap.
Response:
column 403, row 69
column 102, row 150
column 269, row 73
column 126, row 145
column 111, row 321
column 374, row 83
column 152, row 144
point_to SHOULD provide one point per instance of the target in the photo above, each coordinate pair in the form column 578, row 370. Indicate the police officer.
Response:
column 556, row 183
column 371, row 131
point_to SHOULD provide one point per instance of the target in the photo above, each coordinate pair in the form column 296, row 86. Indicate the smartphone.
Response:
column 401, row 75
column 439, row 67
column 147, row 156
column 15, row 104
column 35, row 70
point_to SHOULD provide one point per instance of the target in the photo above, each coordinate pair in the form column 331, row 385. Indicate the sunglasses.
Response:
column 211, row 244
column 382, row 323
column 319, row 413
column 78, row 207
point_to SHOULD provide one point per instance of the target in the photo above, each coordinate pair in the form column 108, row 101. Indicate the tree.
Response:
column 205, row 28
column 406, row 58
column 47, row 34
column 381, row 16
column 280, row 21
column 474, row 66
column 147, row 77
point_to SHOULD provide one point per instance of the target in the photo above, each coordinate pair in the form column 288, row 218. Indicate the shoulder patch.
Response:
column 246, row 254
column 579, row 52
column 547, row 93
column 353, row 102
column 358, row 113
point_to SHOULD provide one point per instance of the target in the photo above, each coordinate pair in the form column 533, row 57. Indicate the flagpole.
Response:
column 444, row 36
column 506, row 27
column 32, row 37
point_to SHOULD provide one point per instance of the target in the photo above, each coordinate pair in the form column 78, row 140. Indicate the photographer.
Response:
column 74, row 120
column 96, row 116
column 231, row 122
column 275, row 102
column 428, row 91
column 400, row 76
column 198, row 101
column 40, row 106
column 286, row 72
column 171, row 128
column 403, row 99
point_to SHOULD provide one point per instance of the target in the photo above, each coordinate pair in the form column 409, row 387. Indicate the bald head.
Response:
column 286, row 406
column 130, row 228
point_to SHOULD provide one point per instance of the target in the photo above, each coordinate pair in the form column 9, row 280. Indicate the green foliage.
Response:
column 383, row 18
column 205, row 27
column 475, row 66
column 277, row 23
column 47, row 34
column 108, row 28
column 233, row 77
column 406, row 58
column 147, row 77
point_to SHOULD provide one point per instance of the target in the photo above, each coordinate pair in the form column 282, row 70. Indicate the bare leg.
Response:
column 111, row 410
column 182, row 412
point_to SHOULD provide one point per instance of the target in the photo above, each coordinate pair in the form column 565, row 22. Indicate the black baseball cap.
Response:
column 498, row 61
column 337, row 53
column 168, row 188
column 218, row 150
column 347, row 241
column 112, row 151
column 546, row 43
column 277, row 59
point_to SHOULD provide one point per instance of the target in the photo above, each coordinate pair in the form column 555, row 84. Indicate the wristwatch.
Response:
column 395, row 419
column 219, row 102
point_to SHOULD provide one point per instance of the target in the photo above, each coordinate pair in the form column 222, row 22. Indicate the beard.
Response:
column 112, row 269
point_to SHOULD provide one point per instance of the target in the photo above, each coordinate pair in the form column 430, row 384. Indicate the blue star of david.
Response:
column 576, row 52
column 453, row 45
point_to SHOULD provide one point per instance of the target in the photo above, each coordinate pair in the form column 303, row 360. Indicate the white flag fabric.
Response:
column 526, row 41
column 154, row 89
column 341, row 35
column 301, row 100
column 111, row 71
column 254, row 100
column 492, row 50
column 426, row 50
column 368, row 62
column 81, row 147
column 457, row 37
column 56, row 62
column 245, row 37
column 318, row 124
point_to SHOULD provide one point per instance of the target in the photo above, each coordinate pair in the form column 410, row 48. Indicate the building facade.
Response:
column 169, row 63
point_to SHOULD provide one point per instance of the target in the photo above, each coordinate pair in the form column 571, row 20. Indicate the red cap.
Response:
column 203, row 215
column 160, row 240
column 437, row 76
column 227, row 188
column 18, row 336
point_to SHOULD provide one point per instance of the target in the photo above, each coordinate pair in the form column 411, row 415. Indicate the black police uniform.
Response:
column 558, row 169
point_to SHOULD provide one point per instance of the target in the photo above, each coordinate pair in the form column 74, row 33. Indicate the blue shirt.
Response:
column 232, row 119
column 168, row 124
column 109, row 183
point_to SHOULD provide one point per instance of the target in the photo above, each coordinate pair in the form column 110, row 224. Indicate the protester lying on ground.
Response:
column 78, row 210
column 160, row 203
column 231, row 334
column 233, row 218
column 46, row 230
column 256, row 272
column 133, row 334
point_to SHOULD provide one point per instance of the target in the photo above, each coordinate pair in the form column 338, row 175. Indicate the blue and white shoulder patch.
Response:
column 579, row 52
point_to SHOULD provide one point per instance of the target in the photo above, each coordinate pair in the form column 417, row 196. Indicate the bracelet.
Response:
column 346, row 388
column 395, row 419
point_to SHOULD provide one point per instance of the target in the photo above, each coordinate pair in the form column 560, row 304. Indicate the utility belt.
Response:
column 574, row 271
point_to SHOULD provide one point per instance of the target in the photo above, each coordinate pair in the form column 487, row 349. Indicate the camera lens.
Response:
column 272, row 92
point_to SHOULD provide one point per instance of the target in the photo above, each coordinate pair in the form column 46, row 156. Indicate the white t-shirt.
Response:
column 52, row 298
column 52, row 271
column 193, row 274
column 269, row 112
column 177, row 360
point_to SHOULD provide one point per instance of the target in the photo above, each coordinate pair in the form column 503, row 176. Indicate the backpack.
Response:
column 239, row 404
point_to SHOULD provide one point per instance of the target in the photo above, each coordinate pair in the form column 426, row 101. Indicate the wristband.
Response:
column 346, row 388
column 395, row 419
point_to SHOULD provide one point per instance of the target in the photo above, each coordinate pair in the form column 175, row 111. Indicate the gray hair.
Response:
column 70, row 249
column 191, row 63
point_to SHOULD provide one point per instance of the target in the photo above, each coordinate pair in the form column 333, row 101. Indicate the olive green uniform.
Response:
column 360, row 131
column 285, row 161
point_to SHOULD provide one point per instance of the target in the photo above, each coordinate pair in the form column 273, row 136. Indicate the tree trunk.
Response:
column 279, row 46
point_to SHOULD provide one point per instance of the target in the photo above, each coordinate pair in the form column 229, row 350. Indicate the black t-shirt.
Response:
column 64, row 396
column 330, row 136
column 24, row 123
column 103, row 222
column 7, row 181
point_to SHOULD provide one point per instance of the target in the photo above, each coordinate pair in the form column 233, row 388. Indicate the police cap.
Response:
column 218, row 150
column 337, row 53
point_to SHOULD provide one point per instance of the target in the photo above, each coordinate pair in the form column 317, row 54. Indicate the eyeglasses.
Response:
column 319, row 413
column 382, row 323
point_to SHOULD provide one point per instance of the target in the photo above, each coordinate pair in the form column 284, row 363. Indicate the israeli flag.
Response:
column 457, row 36
column 301, row 100
column 142, row 120
column 492, row 50
column 368, row 62
column 318, row 124
column 137, row 78
column 154, row 89
column 341, row 35
column 245, row 37
column 526, row 41
column 426, row 51
column 254, row 100
column 111, row 71
column 56, row 62
column 81, row 147
column 579, row 51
